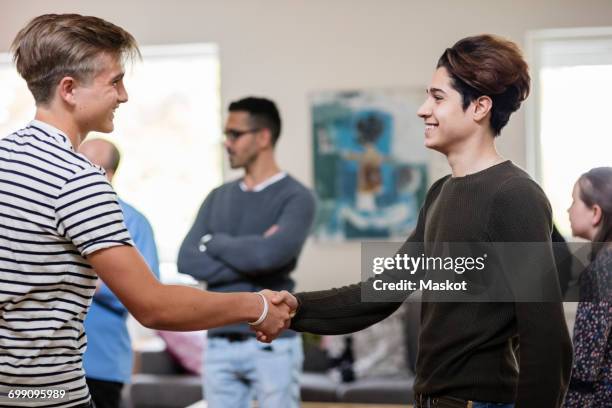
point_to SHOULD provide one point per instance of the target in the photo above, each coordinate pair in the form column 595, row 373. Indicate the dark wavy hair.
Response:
column 487, row 65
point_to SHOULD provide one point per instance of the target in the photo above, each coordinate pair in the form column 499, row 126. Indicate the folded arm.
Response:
column 202, row 266
column 256, row 254
column 199, row 264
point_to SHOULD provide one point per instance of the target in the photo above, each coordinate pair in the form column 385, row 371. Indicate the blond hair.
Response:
column 53, row 46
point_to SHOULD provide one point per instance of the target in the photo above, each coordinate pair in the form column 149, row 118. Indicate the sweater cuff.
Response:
column 298, row 314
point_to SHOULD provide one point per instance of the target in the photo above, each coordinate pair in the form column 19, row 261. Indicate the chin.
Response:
column 579, row 234
column 105, row 128
column 431, row 144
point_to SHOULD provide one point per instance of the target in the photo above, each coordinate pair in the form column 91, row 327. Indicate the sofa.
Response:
column 162, row 383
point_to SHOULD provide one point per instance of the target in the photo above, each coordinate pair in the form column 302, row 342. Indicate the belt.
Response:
column 233, row 337
column 425, row 401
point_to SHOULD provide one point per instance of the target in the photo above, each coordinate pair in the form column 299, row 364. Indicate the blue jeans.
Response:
column 236, row 372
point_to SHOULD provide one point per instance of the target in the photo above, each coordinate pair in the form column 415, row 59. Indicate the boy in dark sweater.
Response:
column 470, row 354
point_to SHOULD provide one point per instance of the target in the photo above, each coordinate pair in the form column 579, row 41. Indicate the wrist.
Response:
column 264, row 311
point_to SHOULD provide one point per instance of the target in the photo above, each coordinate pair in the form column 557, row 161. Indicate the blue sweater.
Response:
column 239, row 258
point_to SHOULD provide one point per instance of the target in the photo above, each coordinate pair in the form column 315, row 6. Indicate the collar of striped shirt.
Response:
column 53, row 132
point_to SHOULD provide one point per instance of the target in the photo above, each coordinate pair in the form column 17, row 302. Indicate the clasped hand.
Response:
column 282, row 307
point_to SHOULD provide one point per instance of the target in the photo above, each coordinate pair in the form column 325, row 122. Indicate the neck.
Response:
column 62, row 121
column 260, row 170
column 475, row 154
column 592, row 234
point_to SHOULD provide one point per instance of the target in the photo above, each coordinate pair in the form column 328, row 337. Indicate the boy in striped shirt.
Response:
column 61, row 225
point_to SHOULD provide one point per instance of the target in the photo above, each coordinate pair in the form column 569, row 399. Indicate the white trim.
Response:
column 264, row 184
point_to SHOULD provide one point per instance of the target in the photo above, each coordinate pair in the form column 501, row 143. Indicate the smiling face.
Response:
column 95, row 100
column 447, row 125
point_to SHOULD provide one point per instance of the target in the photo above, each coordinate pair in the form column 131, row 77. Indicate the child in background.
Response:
column 591, row 218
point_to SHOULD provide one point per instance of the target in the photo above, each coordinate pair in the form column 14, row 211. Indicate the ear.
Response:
column 597, row 215
column 482, row 107
column 265, row 138
column 66, row 90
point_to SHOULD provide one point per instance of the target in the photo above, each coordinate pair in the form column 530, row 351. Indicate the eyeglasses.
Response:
column 233, row 134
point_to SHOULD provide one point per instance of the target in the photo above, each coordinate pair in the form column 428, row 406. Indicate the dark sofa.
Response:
column 162, row 383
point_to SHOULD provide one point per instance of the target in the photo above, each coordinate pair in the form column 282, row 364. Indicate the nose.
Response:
column 424, row 110
column 123, row 95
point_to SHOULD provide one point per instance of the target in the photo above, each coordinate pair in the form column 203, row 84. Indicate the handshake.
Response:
column 278, row 309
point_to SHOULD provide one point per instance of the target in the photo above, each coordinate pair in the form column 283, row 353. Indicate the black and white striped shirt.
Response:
column 55, row 209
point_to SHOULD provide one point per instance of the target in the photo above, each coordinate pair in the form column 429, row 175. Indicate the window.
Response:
column 169, row 134
column 568, row 115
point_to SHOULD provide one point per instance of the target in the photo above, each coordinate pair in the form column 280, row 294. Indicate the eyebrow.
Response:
column 431, row 90
column 118, row 77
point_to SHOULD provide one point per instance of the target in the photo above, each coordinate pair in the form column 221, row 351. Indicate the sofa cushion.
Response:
column 158, row 362
column 381, row 390
column 164, row 391
column 316, row 387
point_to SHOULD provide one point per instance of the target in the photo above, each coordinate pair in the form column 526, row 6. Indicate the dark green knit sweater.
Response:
column 497, row 352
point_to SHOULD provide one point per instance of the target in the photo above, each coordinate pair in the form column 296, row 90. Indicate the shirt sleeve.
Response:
column 201, row 265
column 88, row 213
column 591, row 334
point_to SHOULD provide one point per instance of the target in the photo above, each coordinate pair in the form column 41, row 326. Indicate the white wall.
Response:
column 285, row 49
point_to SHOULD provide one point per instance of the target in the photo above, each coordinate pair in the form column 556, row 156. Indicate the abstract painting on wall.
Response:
column 370, row 165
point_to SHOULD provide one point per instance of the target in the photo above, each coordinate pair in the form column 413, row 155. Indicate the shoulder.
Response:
column 602, row 264
column 218, row 195
column 518, row 209
column 435, row 189
column 296, row 189
column 294, row 184
column 227, row 187
column 437, row 185
column 514, row 185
